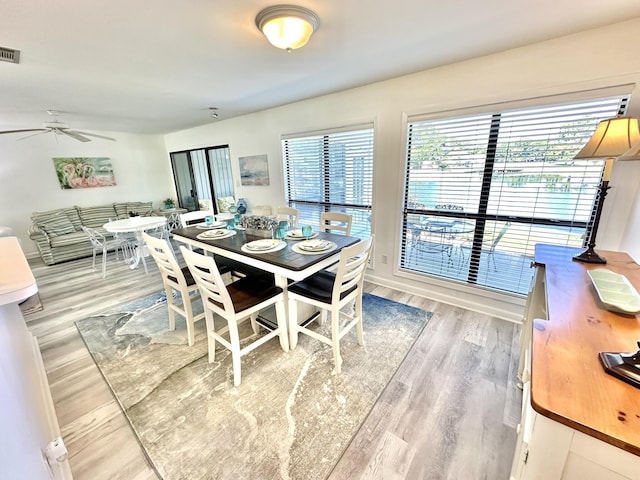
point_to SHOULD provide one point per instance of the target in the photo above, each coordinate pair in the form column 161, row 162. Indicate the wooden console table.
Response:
column 577, row 422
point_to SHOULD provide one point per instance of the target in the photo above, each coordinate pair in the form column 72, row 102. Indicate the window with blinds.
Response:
column 482, row 190
column 331, row 172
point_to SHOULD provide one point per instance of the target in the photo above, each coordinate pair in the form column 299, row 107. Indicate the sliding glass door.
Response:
column 202, row 174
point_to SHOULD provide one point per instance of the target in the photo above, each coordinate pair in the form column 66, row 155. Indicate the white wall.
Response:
column 584, row 61
column 28, row 180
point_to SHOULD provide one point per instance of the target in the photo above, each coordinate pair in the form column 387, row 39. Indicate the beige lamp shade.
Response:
column 632, row 154
column 286, row 26
column 611, row 139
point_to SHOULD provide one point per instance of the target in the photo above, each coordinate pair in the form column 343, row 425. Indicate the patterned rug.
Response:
column 291, row 418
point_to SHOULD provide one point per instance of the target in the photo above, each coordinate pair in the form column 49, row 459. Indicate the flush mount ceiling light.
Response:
column 286, row 26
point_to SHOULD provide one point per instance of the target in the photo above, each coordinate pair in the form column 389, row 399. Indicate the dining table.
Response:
column 287, row 262
column 442, row 232
column 136, row 225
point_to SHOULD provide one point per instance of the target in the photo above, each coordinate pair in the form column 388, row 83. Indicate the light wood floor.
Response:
column 449, row 413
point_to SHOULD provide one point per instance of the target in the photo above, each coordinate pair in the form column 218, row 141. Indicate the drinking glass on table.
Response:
column 280, row 232
column 307, row 231
column 231, row 224
column 208, row 220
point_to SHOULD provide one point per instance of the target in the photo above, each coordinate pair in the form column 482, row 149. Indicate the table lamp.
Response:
column 612, row 138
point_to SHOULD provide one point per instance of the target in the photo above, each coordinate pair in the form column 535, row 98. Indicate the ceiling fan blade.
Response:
column 26, row 130
column 38, row 132
column 96, row 135
column 73, row 134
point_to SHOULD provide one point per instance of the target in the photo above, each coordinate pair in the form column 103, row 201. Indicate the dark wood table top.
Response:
column 286, row 258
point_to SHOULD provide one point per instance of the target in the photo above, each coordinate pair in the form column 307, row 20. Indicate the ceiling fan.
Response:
column 56, row 127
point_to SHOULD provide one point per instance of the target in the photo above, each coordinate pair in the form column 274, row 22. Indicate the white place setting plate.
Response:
column 213, row 225
column 266, row 245
column 296, row 234
column 215, row 234
column 314, row 247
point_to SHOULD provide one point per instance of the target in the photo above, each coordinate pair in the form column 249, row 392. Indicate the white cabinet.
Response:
column 30, row 444
column 535, row 307
column 547, row 449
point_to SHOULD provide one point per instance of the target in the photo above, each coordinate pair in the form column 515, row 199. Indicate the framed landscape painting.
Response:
column 84, row 172
column 254, row 170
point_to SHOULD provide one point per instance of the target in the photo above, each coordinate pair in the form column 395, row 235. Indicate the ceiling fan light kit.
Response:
column 56, row 127
column 287, row 26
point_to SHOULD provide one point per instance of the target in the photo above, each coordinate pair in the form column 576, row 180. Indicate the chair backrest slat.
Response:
column 351, row 268
column 289, row 214
column 161, row 251
column 335, row 221
column 190, row 217
column 207, row 276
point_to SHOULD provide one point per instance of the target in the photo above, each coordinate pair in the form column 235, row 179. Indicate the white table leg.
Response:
column 282, row 282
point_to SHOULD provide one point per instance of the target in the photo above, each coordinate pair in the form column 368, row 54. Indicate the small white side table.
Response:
column 136, row 225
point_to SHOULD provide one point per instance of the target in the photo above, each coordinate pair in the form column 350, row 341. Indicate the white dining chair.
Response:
column 335, row 222
column 188, row 218
column 331, row 293
column 236, row 302
column 103, row 245
column 236, row 269
column 264, row 210
column 288, row 214
column 175, row 278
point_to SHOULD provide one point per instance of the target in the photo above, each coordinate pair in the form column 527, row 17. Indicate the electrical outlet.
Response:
column 384, row 259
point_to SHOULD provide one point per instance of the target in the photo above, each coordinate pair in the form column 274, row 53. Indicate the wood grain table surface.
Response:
column 568, row 382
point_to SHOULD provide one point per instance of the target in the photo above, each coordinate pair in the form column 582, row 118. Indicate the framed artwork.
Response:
column 84, row 172
column 254, row 170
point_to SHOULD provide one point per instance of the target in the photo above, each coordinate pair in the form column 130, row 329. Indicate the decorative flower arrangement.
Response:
column 258, row 222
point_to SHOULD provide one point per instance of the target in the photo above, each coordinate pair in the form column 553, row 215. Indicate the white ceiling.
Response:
column 156, row 66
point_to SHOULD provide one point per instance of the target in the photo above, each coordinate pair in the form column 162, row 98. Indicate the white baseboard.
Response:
column 495, row 304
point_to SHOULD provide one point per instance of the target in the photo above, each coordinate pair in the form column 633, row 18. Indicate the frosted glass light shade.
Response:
column 286, row 26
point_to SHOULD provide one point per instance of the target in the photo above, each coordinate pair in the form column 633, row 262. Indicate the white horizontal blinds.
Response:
column 445, row 157
column 331, row 171
column 534, row 160
column 483, row 189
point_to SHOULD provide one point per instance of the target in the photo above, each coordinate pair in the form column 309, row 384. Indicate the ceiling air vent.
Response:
column 9, row 55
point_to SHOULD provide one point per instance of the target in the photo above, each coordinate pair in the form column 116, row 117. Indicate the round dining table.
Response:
column 136, row 225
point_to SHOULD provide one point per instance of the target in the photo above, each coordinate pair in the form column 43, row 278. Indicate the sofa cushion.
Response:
column 224, row 203
column 40, row 218
column 121, row 210
column 43, row 217
column 73, row 215
column 143, row 209
column 56, row 225
column 69, row 239
column 96, row 216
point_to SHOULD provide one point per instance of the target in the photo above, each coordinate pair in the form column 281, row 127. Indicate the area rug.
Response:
column 31, row 305
column 291, row 418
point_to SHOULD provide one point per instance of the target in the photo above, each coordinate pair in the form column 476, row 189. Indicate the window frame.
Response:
column 480, row 218
column 310, row 209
